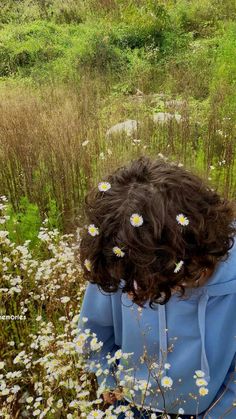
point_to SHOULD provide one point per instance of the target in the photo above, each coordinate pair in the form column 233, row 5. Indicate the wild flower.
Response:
column 181, row 411
column 97, row 413
column 118, row 252
column 104, row 186
column 178, row 266
column 203, row 391
column 93, row 230
column 95, row 345
column 199, row 373
column 182, row 219
column 136, row 220
column 65, row 299
column 166, row 381
column 167, row 366
column 201, row 382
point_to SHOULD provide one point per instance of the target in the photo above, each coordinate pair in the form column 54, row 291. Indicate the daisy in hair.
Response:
column 104, row 186
column 93, row 230
column 182, row 219
column 118, row 252
column 136, row 220
column 178, row 266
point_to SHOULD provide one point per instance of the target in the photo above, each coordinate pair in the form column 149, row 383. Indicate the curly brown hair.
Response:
column 159, row 191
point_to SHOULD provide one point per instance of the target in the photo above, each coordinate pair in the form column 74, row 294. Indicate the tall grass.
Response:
column 54, row 145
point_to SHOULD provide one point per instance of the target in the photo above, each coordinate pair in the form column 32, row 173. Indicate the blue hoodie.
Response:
column 205, row 328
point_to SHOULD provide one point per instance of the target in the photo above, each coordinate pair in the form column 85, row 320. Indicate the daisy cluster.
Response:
column 136, row 220
column 48, row 374
column 201, row 382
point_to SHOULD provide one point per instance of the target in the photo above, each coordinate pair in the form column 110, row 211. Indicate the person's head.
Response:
column 161, row 249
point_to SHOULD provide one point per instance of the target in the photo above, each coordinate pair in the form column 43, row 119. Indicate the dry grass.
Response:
column 52, row 139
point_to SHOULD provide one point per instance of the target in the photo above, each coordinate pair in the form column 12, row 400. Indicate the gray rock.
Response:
column 129, row 127
column 163, row 117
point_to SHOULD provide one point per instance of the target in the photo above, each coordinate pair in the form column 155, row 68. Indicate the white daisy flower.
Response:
column 104, row 186
column 93, row 230
column 118, row 252
column 201, row 382
column 167, row 366
column 182, row 219
column 65, row 300
column 181, row 411
column 178, row 266
column 97, row 413
column 166, row 381
column 118, row 354
column 121, row 409
column 199, row 373
column 136, row 220
column 203, row 391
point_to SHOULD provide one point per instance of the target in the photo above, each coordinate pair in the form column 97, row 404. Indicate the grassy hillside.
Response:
column 80, row 67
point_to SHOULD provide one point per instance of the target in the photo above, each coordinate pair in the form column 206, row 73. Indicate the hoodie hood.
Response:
column 222, row 282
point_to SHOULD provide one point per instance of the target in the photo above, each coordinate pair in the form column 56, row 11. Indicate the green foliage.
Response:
column 98, row 52
column 190, row 71
column 41, row 46
column 223, row 84
column 202, row 17
column 53, row 215
column 140, row 26
column 24, row 224
column 26, row 46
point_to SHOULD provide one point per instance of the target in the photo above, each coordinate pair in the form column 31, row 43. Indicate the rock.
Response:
column 163, row 117
column 129, row 127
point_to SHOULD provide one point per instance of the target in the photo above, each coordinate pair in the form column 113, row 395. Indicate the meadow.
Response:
column 69, row 72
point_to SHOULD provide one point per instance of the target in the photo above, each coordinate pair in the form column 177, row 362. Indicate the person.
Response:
column 159, row 257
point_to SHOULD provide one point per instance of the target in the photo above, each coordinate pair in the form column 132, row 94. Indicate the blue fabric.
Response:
column 201, row 328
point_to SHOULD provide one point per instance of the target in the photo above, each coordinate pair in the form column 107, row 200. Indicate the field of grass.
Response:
column 69, row 71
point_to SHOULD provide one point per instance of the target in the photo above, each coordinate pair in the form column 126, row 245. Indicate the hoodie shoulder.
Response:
column 223, row 279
